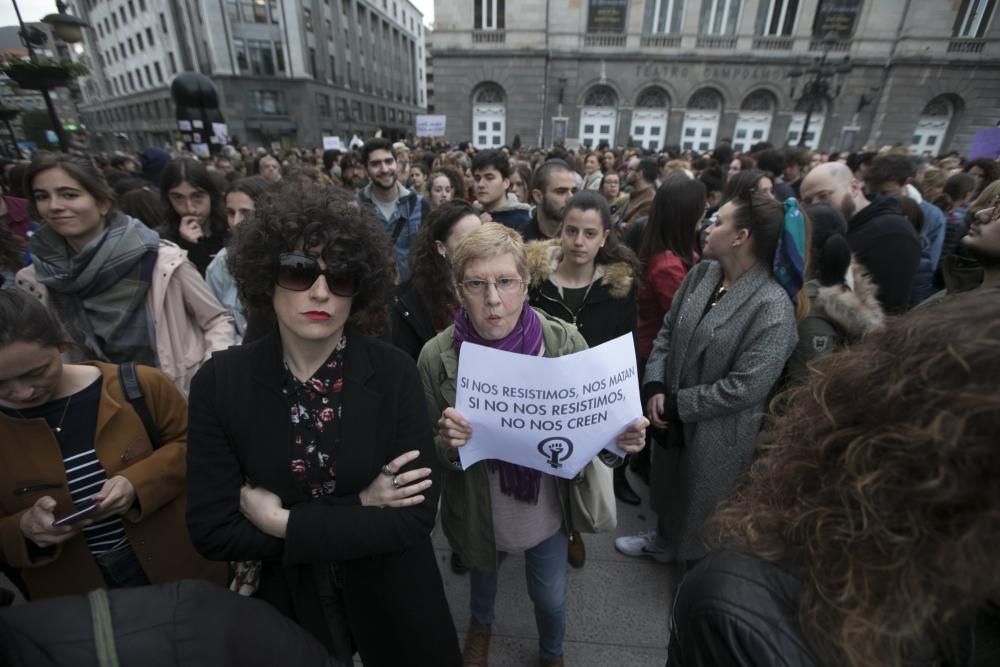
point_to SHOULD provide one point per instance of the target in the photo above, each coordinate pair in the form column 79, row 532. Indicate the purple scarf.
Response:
column 526, row 338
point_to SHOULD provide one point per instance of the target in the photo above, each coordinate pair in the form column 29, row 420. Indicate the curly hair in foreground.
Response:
column 883, row 482
column 321, row 222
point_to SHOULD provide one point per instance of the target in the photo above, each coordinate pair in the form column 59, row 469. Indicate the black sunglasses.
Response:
column 297, row 273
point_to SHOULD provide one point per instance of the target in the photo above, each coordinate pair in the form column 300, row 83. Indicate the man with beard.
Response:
column 352, row 172
column 642, row 175
column 399, row 210
column 551, row 187
column 880, row 236
column 982, row 271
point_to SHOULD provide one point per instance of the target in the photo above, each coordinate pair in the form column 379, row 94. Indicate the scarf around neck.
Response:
column 526, row 338
column 99, row 294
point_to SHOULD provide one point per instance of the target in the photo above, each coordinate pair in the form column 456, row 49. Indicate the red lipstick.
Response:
column 317, row 315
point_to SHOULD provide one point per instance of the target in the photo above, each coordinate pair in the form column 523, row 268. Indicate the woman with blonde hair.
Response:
column 494, row 508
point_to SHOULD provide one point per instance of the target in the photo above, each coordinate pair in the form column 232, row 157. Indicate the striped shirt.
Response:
column 84, row 472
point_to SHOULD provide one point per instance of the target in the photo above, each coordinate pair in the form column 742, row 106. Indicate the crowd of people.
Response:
column 242, row 370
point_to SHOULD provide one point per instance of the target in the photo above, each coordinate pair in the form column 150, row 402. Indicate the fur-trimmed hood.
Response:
column 855, row 311
column 543, row 260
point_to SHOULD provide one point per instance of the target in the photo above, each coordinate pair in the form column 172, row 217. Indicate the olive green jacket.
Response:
column 466, row 509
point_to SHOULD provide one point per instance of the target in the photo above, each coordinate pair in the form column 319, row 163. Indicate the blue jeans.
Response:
column 545, row 571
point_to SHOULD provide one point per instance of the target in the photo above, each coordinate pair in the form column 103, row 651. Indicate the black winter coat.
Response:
column 736, row 610
column 409, row 320
column 239, row 429
column 607, row 312
column 886, row 244
column 183, row 624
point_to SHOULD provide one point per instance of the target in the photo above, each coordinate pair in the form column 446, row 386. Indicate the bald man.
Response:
column 880, row 236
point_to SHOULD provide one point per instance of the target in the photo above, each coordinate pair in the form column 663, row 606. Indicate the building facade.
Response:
column 691, row 73
column 287, row 72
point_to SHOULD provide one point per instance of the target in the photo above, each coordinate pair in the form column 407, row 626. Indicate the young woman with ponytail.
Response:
column 723, row 345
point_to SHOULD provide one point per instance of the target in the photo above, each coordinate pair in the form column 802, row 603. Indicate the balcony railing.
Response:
column 661, row 41
column 489, row 36
column 773, row 43
column 716, row 42
column 835, row 45
column 605, row 40
column 966, row 45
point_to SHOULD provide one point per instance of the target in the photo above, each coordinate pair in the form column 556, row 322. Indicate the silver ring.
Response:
column 395, row 482
column 386, row 471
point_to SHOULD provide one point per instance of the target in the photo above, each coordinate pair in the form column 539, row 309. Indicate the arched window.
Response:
column 816, row 121
column 932, row 127
column 753, row 124
column 701, row 121
column 489, row 116
column 599, row 117
column 649, row 119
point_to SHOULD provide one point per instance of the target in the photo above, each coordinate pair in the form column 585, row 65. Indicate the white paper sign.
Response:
column 550, row 414
column 221, row 131
column 431, row 126
column 331, row 143
column 184, row 125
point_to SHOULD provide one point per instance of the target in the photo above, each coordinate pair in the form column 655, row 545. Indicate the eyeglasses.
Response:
column 504, row 285
column 297, row 273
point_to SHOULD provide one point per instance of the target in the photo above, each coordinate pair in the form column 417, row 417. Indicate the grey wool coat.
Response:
column 721, row 368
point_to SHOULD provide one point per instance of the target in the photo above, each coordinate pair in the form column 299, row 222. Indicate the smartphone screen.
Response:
column 78, row 515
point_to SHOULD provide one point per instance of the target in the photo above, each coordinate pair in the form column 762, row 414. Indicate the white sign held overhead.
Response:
column 331, row 144
column 550, row 414
column 431, row 126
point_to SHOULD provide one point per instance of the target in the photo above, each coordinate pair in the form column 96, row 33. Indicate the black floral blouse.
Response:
column 315, row 411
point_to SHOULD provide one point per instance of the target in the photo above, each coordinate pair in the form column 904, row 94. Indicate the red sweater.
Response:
column 664, row 274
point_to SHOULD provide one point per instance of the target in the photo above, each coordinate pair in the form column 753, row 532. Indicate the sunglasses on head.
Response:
column 297, row 273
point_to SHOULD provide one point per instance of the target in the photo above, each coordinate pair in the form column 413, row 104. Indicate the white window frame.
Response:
column 700, row 120
column 930, row 126
column 491, row 114
column 781, row 8
column 727, row 8
column 751, row 121
column 493, row 6
column 816, row 124
column 597, row 117
column 976, row 19
column 669, row 12
column 647, row 119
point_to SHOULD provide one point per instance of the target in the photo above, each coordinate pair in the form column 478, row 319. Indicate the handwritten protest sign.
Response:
column 552, row 415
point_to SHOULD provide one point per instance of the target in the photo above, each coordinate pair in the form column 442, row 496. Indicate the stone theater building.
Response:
column 690, row 73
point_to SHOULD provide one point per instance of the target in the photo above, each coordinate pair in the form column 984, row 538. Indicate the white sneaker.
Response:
column 647, row 544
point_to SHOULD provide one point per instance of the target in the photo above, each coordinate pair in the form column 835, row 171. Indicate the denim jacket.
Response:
column 409, row 207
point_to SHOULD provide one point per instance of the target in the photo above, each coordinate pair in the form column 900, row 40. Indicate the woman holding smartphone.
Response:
column 69, row 440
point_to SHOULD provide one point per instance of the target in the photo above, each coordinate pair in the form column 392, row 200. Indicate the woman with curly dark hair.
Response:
column 867, row 533
column 426, row 303
column 194, row 210
column 298, row 441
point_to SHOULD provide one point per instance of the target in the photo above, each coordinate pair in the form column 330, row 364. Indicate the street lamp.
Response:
column 826, row 82
column 69, row 29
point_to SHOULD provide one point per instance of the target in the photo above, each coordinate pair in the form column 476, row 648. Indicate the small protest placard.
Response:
column 550, row 414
